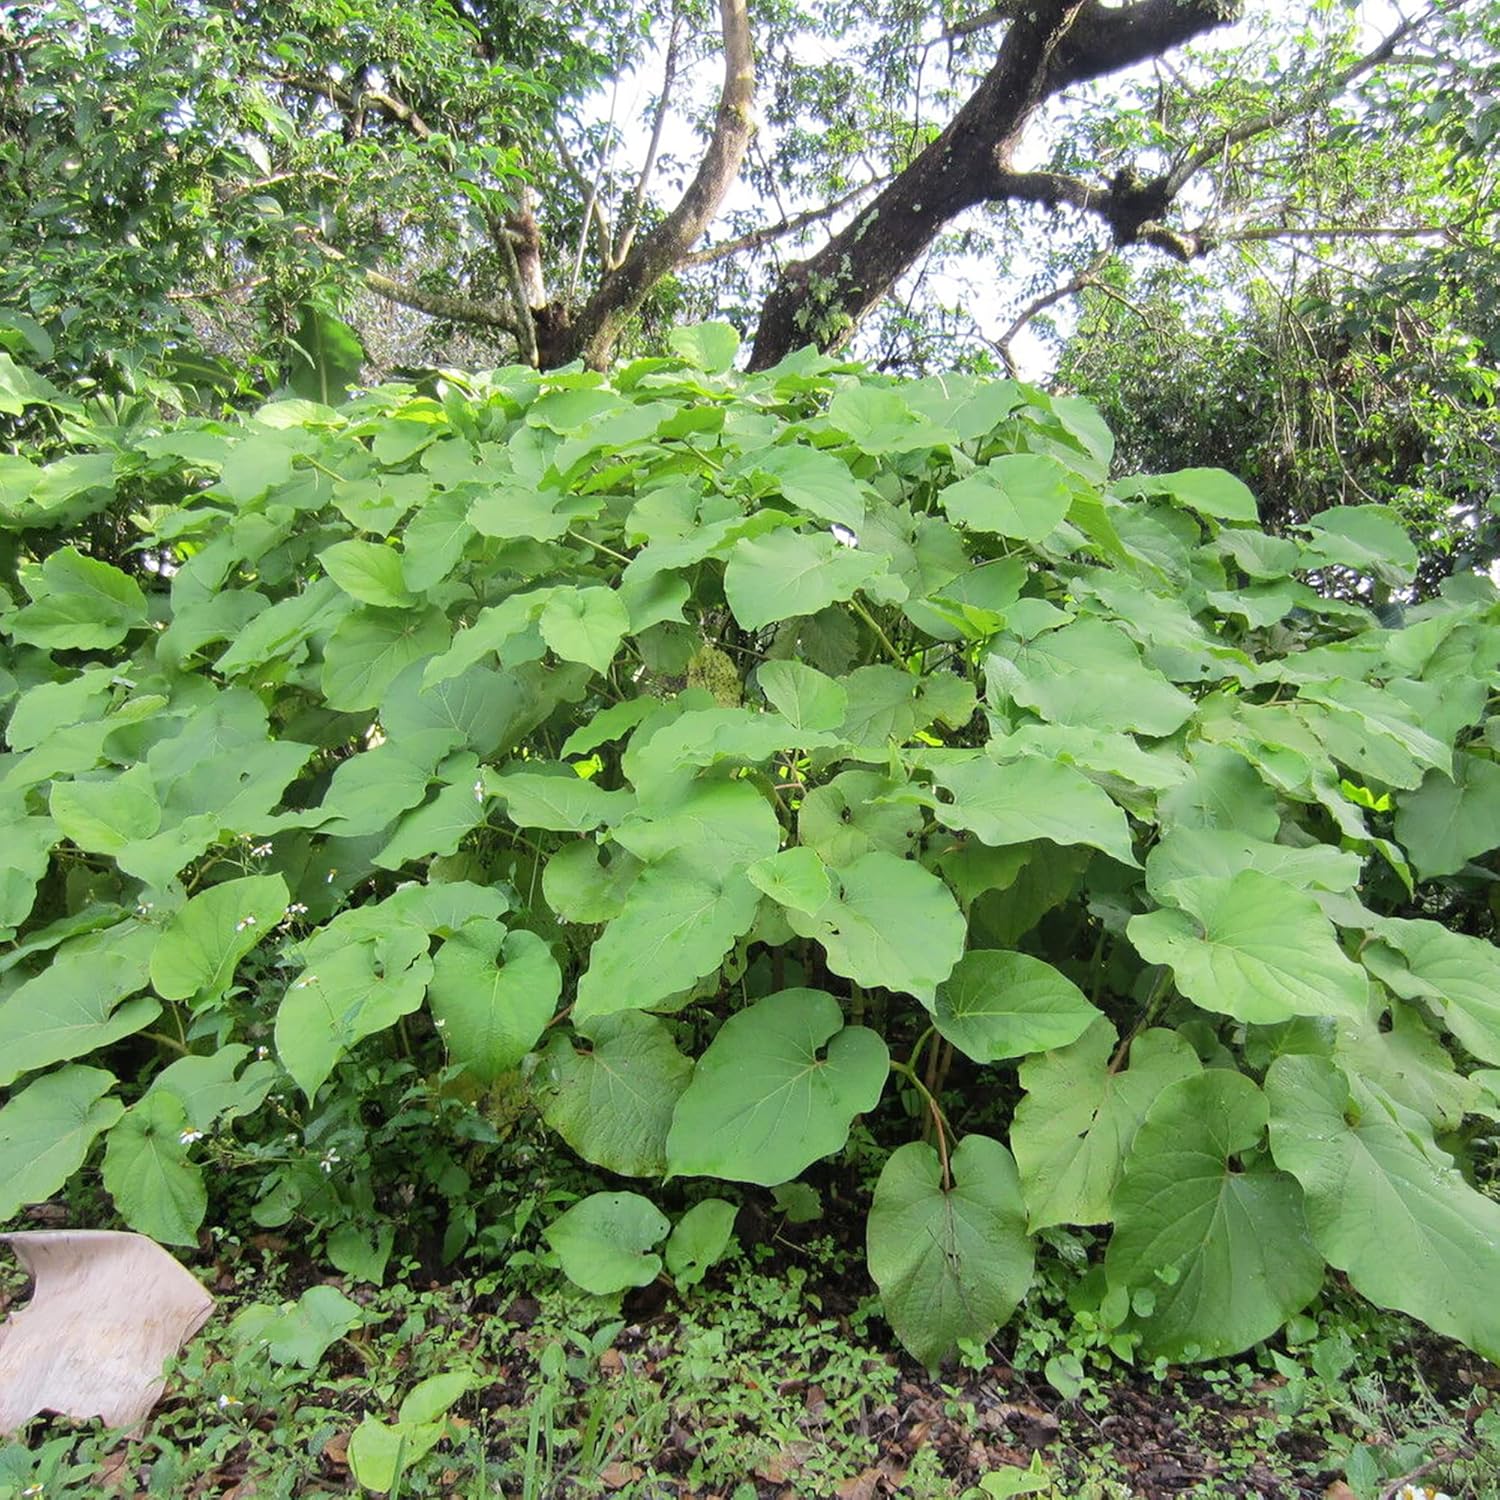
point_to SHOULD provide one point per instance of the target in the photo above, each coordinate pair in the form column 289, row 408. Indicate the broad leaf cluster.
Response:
column 721, row 760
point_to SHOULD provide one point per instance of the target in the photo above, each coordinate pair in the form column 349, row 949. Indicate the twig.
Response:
column 755, row 238
column 1395, row 1487
column 631, row 216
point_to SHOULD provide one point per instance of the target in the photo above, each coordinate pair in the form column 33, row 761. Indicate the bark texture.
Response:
column 1048, row 46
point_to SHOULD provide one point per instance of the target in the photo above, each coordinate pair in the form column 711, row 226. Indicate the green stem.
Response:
column 588, row 541
column 169, row 1042
column 322, row 468
column 880, row 635
column 937, row 1116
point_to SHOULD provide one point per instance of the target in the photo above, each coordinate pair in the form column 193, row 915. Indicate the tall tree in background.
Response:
column 469, row 159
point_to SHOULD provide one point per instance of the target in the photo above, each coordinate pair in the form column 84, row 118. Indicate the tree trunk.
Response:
column 1051, row 44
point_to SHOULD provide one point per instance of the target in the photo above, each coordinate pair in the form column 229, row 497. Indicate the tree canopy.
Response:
column 912, row 178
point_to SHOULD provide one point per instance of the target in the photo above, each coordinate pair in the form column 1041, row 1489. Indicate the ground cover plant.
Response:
column 728, row 772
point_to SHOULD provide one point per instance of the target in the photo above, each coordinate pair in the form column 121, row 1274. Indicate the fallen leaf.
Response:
column 108, row 1310
column 336, row 1449
column 617, row 1475
column 861, row 1487
column 1338, row 1490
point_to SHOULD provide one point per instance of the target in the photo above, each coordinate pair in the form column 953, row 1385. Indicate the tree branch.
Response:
column 631, row 216
column 669, row 242
column 756, row 239
column 434, row 304
column 1073, row 284
column 1305, row 103
column 1048, row 45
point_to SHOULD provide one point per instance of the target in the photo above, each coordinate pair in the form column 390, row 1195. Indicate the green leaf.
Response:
column 996, row 1005
column 1216, row 1235
column 1022, row 496
column 1251, row 947
column 369, row 572
column 46, row 1131
column 1456, row 975
column 776, row 1090
column 73, row 1006
column 1384, row 1205
column 557, row 798
column 813, row 481
column 675, row 926
column 78, row 603
column 1073, row 1129
column 585, row 625
column 1211, row 492
column 604, row 1243
column 952, row 1262
column 301, row 1332
column 362, row 1256
column 207, row 1087
column 106, row 815
column 1222, row 790
column 796, row 877
column 790, row 573
column 698, row 1240
column 710, row 347
column 327, row 357
column 804, row 696
column 1032, row 799
column 158, row 1191
column 349, row 992
column 370, row 647
column 1368, row 538
column 492, row 994
column 579, row 889
column 1186, row 852
column 1448, row 821
column 441, row 824
column 890, row 923
column 206, row 938
column 612, row 1102
column 1088, row 673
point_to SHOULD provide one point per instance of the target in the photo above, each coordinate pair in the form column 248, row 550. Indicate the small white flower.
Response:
column 440, row 1022
column 144, row 908
column 189, row 1136
column 296, row 909
column 330, row 1157
column 328, row 879
column 261, row 851
column 261, row 1053
column 479, row 790
column 306, row 980
column 243, row 923
column 225, row 1402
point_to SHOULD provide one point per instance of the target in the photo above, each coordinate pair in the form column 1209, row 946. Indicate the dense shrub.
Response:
column 696, row 760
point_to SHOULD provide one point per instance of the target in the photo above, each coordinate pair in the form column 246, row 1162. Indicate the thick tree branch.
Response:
column 663, row 250
column 1048, row 45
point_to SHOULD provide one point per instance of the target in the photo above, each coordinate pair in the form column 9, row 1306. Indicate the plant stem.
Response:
column 880, row 635
column 934, row 1109
column 588, row 541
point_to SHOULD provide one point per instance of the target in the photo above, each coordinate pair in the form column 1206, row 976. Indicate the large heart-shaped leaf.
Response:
column 1251, row 947
column 952, row 1260
column 1214, row 1237
column 1384, row 1204
column 777, row 1088
column 997, row 1004
column 605, row 1242
column 1074, row 1126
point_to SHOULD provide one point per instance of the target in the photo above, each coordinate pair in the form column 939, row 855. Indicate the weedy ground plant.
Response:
column 703, row 762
